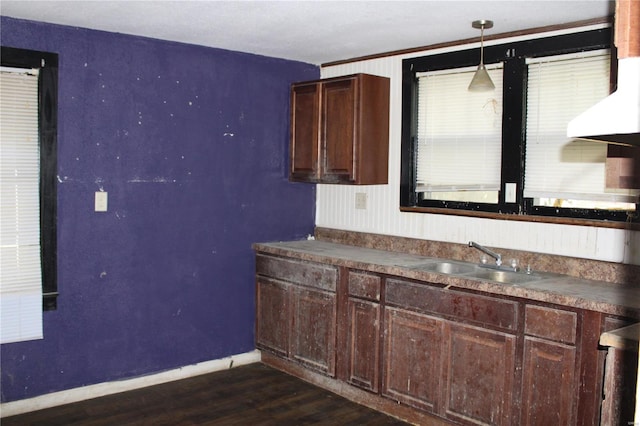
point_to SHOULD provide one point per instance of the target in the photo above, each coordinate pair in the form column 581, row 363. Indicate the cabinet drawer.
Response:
column 550, row 323
column 364, row 286
column 479, row 309
column 298, row 271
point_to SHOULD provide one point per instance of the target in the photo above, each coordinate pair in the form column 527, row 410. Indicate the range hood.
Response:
column 616, row 119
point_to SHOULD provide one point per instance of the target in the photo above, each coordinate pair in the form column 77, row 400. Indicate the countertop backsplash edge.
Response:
column 614, row 273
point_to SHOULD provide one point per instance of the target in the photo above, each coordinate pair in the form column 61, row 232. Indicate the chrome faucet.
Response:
column 486, row 251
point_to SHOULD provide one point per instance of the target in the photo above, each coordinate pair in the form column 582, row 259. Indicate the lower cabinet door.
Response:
column 549, row 385
column 412, row 358
column 478, row 375
column 364, row 344
column 314, row 329
column 273, row 316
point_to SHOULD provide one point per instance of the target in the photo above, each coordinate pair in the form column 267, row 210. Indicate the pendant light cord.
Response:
column 482, row 45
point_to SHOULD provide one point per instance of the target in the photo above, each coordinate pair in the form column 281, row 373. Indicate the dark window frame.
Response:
column 47, row 63
column 513, row 55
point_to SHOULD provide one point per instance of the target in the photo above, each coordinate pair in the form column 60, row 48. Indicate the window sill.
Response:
column 525, row 218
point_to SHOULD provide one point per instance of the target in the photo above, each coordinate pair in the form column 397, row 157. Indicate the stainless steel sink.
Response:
column 506, row 277
column 446, row 268
column 474, row 271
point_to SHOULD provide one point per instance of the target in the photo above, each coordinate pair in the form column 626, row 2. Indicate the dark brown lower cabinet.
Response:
column 478, row 375
column 314, row 329
column 548, row 385
column 412, row 358
column 364, row 344
column 432, row 354
column 620, row 387
column 550, row 370
column 620, row 375
column 363, row 323
column 463, row 373
column 296, row 311
column 273, row 325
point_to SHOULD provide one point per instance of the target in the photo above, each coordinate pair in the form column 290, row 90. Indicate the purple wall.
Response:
column 191, row 145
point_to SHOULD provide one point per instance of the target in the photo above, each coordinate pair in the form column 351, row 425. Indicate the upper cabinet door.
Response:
column 305, row 104
column 340, row 130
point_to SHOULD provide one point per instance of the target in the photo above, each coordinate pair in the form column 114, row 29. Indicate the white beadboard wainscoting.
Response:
column 335, row 204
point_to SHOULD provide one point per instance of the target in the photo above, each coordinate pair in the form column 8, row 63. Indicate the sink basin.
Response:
column 474, row 271
column 506, row 277
column 446, row 267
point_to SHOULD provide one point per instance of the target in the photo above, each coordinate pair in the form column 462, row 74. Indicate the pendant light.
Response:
column 481, row 81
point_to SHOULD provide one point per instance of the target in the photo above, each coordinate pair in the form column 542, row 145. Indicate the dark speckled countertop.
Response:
column 600, row 296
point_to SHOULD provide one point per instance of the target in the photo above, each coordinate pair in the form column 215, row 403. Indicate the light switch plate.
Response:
column 361, row 200
column 101, row 201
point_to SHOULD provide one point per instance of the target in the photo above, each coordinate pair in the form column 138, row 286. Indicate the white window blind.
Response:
column 20, row 273
column 459, row 132
column 559, row 88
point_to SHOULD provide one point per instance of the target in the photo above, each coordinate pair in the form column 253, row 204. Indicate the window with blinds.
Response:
column 559, row 171
column 20, row 262
column 505, row 151
column 459, row 136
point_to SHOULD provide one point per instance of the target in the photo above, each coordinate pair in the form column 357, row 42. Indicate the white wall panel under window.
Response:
column 20, row 267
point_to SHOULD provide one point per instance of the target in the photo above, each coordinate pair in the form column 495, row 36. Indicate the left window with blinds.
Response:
column 27, row 207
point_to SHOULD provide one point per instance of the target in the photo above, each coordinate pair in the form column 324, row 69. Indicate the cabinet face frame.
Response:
column 305, row 111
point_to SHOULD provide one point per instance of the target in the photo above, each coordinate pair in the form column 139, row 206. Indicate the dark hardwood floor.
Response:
column 250, row 395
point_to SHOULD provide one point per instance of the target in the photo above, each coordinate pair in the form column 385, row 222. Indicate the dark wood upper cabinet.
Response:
column 340, row 130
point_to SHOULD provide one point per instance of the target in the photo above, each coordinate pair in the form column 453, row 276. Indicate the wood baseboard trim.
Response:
column 108, row 388
column 359, row 396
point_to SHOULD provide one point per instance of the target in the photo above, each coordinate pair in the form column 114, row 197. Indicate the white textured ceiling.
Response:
column 308, row 31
